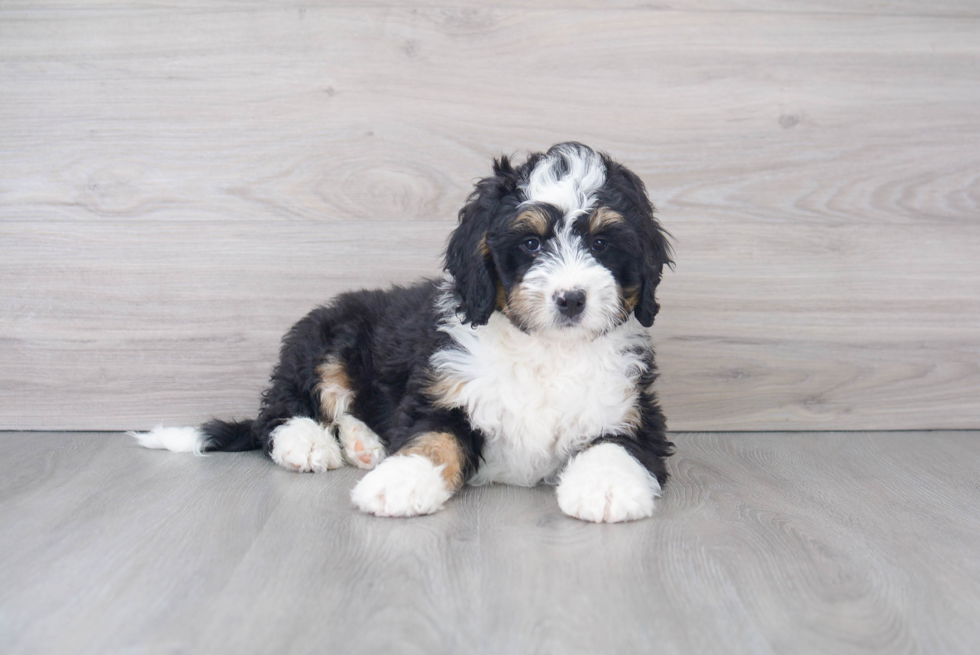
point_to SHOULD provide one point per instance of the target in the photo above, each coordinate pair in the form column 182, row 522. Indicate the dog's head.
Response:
column 566, row 242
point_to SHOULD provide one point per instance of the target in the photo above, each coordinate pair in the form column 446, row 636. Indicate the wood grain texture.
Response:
column 179, row 183
column 763, row 543
column 956, row 8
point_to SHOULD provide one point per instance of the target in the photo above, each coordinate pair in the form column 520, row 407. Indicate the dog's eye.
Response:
column 531, row 244
column 598, row 245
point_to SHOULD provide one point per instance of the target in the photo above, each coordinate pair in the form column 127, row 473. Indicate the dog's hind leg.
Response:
column 296, row 428
column 302, row 444
column 362, row 447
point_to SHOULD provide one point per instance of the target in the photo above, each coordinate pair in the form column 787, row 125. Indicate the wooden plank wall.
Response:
column 180, row 181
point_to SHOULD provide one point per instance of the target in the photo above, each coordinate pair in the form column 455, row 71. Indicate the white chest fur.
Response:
column 538, row 400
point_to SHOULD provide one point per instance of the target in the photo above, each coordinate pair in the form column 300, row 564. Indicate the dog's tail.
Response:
column 215, row 435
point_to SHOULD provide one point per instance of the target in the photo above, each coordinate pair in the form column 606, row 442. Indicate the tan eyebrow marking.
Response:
column 534, row 218
column 603, row 218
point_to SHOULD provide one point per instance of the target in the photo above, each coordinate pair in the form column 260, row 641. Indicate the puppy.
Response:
column 528, row 362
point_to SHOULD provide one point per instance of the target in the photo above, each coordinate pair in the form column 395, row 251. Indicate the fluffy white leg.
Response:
column 179, row 440
column 362, row 447
column 302, row 444
column 606, row 484
column 403, row 485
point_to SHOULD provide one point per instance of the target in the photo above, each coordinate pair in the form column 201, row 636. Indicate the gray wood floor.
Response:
column 763, row 543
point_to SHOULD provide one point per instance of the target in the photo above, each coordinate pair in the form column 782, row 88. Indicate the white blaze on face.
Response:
column 567, row 178
column 572, row 187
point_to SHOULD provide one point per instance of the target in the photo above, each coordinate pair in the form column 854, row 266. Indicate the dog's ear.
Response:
column 656, row 245
column 468, row 259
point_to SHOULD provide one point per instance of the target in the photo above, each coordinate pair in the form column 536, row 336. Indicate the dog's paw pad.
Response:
column 302, row 444
column 362, row 447
column 362, row 455
column 605, row 484
column 402, row 486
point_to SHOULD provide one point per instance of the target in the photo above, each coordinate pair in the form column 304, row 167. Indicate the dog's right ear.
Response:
column 468, row 258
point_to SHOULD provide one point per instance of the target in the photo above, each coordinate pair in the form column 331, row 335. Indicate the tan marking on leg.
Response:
column 444, row 391
column 335, row 389
column 442, row 449
column 603, row 218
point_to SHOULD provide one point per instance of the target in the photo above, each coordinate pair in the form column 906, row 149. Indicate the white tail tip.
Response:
column 178, row 440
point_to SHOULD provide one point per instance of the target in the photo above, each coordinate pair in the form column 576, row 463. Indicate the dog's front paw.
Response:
column 301, row 444
column 403, row 485
column 605, row 484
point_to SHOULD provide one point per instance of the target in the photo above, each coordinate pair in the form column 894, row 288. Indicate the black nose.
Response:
column 570, row 303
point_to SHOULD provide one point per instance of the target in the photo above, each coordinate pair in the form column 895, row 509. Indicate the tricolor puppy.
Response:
column 528, row 362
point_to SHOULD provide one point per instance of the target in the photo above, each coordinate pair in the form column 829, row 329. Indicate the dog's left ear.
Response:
column 468, row 258
column 656, row 246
